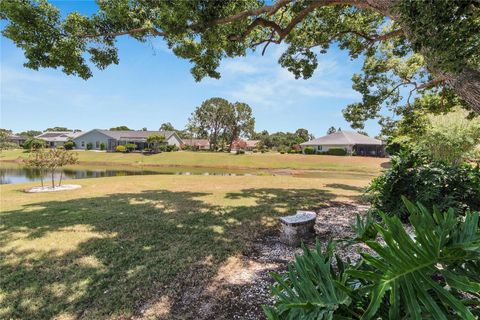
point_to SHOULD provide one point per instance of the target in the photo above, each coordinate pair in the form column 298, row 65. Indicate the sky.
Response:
column 151, row 86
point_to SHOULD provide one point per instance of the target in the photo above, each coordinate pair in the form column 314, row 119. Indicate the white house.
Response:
column 351, row 142
column 112, row 138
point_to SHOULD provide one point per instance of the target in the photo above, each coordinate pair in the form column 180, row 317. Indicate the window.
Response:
column 319, row 148
column 83, row 144
column 97, row 144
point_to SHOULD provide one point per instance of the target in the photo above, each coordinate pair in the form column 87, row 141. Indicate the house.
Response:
column 200, row 144
column 18, row 140
column 248, row 145
column 55, row 139
column 252, row 144
column 351, row 142
column 110, row 139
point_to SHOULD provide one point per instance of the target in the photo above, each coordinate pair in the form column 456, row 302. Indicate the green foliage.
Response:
column 154, row 141
column 405, row 43
column 221, row 122
column 331, row 130
column 240, row 151
column 120, row 148
column 336, row 152
column 30, row 133
column 102, row 146
column 89, row 146
column 431, row 183
column 121, row 128
column 309, row 150
column 69, row 145
column 34, row 144
column 167, row 126
column 432, row 274
column 131, row 146
column 283, row 140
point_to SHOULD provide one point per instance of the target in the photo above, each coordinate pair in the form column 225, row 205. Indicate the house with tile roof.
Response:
column 55, row 139
column 353, row 143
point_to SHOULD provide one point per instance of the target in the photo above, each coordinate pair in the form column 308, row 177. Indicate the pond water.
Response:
column 13, row 174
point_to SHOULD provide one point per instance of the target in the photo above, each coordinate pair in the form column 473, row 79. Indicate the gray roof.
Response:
column 132, row 135
column 58, row 135
column 343, row 138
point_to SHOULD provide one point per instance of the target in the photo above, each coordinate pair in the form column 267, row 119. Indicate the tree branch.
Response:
column 121, row 33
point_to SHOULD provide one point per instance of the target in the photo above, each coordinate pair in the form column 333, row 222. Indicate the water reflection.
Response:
column 17, row 174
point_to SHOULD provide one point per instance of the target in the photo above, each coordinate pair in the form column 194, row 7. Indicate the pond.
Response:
column 11, row 173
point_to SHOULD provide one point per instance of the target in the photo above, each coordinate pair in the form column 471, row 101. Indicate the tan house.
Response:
column 55, row 139
column 200, row 144
column 353, row 143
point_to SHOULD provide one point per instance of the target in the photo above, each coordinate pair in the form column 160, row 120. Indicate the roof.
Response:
column 14, row 137
column 343, row 138
column 252, row 143
column 196, row 142
column 54, row 136
column 132, row 135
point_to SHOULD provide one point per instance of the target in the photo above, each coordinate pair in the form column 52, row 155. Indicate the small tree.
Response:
column 49, row 160
column 154, row 141
column 34, row 144
column 331, row 130
column 69, row 145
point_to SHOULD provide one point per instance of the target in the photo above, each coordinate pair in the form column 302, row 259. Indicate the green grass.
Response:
column 119, row 244
column 224, row 160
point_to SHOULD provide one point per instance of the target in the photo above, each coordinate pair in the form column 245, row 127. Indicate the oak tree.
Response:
column 410, row 48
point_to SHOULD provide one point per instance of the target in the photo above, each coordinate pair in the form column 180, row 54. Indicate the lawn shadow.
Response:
column 110, row 256
column 345, row 187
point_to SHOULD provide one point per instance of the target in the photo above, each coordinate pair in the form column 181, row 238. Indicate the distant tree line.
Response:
column 282, row 140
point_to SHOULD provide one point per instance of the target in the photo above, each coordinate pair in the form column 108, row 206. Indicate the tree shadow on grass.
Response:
column 108, row 257
column 346, row 187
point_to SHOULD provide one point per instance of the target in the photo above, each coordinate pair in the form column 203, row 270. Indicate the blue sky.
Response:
column 151, row 86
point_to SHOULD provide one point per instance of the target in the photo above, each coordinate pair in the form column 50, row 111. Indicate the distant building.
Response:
column 112, row 138
column 55, row 139
column 200, row 144
column 248, row 145
column 351, row 142
column 19, row 140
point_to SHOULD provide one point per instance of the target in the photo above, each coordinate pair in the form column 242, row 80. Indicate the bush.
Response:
column 60, row 147
column 102, row 146
column 130, row 147
column 432, row 183
column 69, row 145
column 89, row 146
column 34, row 144
column 6, row 145
column 309, row 150
column 264, row 150
column 255, row 150
column 120, row 149
column 240, row 151
column 336, row 152
column 431, row 274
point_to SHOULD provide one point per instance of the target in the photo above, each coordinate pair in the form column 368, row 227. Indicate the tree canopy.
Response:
column 221, row 121
column 121, row 128
column 411, row 48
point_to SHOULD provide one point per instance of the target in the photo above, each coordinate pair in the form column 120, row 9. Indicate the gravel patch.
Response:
column 246, row 285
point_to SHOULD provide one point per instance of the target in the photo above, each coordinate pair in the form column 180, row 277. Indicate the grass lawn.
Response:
column 225, row 160
column 119, row 244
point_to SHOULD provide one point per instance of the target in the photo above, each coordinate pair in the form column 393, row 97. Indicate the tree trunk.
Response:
column 53, row 179
column 61, row 176
column 467, row 87
column 41, row 176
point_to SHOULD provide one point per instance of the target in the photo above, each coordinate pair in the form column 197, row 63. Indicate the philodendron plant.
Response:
column 432, row 272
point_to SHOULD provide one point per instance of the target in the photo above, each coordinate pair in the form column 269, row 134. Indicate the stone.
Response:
column 49, row 188
column 296, row 227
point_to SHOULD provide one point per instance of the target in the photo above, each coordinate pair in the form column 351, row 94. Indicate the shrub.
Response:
column 69, row 145
column 432, row 274
column 309, row 150
column 102, row 146
column 433, row 183
column 89, row 146
column 264, row 150
column 60, row 147
column 240, row 151
column 255, row 150
column 337, row 152
column 130, row 146
column 120, row 149
column 6, row 145
column 34, row 144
